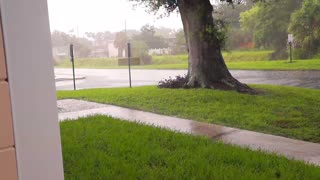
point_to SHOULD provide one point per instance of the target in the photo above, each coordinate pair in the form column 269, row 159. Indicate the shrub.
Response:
column 177, row 82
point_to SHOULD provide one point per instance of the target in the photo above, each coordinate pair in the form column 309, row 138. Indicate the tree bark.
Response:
column 207, row 68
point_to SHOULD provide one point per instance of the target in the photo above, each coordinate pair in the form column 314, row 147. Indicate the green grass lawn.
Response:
column 103, row 148
column 249, row 65
column 246, row 60
column 246, row 65
column 286, row 111
column 313, row 64
column 234, row 56
column 89, row 63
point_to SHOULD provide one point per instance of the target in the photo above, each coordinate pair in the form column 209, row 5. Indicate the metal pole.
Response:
column 129, row 63
column 290, row 46
column 72, row 61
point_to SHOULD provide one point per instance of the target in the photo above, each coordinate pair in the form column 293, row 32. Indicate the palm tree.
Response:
column 120, row 42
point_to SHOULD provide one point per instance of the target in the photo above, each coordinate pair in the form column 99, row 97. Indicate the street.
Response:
column 106, row 78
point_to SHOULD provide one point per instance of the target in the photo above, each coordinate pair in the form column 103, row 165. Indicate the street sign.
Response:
column 290, row 38
column 290, row 42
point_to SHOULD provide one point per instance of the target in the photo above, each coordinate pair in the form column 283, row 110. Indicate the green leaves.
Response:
column 305, row 25
column 156, row 5
column 269, row 23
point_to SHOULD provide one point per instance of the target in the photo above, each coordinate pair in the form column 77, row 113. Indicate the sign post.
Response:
column 72, row 61
column 129, row 63
column 290, row 41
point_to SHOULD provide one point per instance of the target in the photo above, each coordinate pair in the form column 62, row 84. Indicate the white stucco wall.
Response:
column 32, row 89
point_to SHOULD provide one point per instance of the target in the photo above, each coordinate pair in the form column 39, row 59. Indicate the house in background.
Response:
column 60, row 53
column 113, row 51
column 104, row 49
column 99, row 49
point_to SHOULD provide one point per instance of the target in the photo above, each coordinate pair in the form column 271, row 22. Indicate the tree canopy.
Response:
column 63, row 40
column 148, row 35
column 305, row 26
column 180, row 45
column 236, row 38
column 268, row 22
column 120, row 42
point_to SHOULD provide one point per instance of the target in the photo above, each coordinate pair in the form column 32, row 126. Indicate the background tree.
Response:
column 236, row 38
column 120, row 42
column 82, row 47
column 248, row 19
column 63, row 40
column 140, row 49
column 204, row 39
column 100, row 42
column 100, row 36
column 164, row 32
column 60, row 38
column 269, row 21
column 180, row 45
column 305, row 25
column 148, row 36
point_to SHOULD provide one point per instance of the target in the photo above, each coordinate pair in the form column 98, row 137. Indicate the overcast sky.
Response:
column 103, row 15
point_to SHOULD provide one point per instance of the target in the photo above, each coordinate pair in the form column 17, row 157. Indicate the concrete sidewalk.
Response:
column 293, row 149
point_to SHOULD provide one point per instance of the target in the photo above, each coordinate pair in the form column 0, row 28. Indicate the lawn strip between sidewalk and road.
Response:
column 286, row 111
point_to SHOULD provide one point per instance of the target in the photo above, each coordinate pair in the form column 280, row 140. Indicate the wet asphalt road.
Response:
column 105, row 78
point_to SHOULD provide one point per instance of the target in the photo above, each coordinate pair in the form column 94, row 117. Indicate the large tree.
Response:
column 204, row 38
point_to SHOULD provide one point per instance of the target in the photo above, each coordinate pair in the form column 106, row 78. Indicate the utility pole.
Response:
column 290, row 46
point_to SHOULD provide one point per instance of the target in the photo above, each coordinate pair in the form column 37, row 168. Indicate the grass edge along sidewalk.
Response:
column 235, row 60
column 285, row 111
column 250, row 65
column 101, row 147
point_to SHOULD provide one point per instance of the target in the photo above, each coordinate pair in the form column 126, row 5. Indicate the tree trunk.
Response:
column 207, row 68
